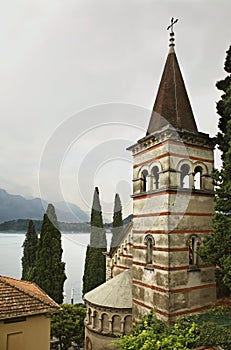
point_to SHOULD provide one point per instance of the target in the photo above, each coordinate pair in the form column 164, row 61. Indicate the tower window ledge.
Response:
column 194, row 268
column 189, row 189
column 138, row 194
column 147, row 192
column 155, row 190
column 202, row 190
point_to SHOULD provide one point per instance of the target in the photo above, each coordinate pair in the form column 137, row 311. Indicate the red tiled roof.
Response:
column 21, row 298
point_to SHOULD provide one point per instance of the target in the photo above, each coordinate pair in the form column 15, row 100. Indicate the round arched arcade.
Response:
column 109, row 312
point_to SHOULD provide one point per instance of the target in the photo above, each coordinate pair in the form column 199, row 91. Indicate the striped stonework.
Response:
column 119, row 259
column 172, row 211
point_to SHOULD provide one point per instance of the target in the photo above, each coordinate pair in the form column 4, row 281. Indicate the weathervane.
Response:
column 173, row 21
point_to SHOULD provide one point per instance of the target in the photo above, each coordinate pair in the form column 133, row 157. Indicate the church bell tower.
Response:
column 172, row 206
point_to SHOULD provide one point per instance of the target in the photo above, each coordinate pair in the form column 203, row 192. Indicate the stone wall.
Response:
column 172, row 212
column 121, row 259
column 103, row 324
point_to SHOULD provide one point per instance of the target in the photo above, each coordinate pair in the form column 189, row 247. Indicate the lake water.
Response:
column 74, row 249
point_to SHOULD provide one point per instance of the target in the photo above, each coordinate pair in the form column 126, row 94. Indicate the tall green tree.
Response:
column 52, row 215
column 217, row 247
column 95, row 261
column 30, row 247
column 50, row 270
column 117, row 224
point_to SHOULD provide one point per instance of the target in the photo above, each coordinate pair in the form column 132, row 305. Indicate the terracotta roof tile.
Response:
column 21, row 298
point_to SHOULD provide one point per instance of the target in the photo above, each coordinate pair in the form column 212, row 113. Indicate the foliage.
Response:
column 152, row 334
column 98, row 236
column 94, row 272
column 117, row 224
column 50, row 270
column 187, row 333
column 95, row 262
column 68, row 325
column 216, row 248
column 224, row 106
column 19, row 225
column 52, row 215
column 22, row 225
column 30, row 246
column 213, row 327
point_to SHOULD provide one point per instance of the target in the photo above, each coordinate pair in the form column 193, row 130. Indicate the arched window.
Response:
column 144, row 183
column 149, row 251
column 193, row 245
column 116, row 324
column 184, row 176
column 127, row 324
column 198, row 178
column 155, row 176
column 105, row 322
column 149, row 241
column 115, row 259
column 95, row 319
column 88, row 344
column 128, row 245
column 89, row 316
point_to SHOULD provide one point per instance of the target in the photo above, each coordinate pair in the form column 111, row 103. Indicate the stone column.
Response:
column 191, row 180
column 122, row 327
column 88, row 316
column 100, row 324
column 93, row 320
column 110, row 325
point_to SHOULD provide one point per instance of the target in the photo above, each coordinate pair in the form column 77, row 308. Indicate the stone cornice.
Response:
column 174, row 190
column 170, row 134
column 109, row 309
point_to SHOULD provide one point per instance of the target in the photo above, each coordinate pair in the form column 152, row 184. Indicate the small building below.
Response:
column 25, row 312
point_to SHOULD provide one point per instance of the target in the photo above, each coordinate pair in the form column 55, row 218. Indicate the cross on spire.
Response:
column 172, row 24
column 173, row 21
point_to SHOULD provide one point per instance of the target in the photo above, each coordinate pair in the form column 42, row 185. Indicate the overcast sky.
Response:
column 78, row 82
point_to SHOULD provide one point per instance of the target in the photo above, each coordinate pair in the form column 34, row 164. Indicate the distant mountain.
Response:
column 69, row 212
column 14, row 207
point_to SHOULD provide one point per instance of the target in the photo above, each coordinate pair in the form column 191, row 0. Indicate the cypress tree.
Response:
column 95, row 261
column 52, row 215
column 216, row 249
column 30, row 247
column 50, row 270
column 117, row 224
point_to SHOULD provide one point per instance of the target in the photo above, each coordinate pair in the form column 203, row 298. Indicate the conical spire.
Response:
column 172, row 105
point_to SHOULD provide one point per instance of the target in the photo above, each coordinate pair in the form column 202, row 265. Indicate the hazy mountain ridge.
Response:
column 13, row 207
